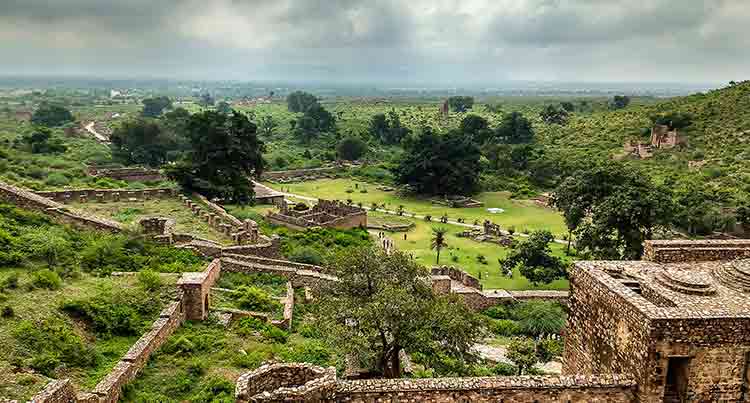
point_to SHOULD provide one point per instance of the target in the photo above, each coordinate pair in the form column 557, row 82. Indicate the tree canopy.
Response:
column 477, row 127
column 552, row 114
column 534, row 258
column 439, row 164
column 315, row 121
column 383, row 304
column 611, row 208
column 460, row 103
column 51, row 115
column 142, row 141
column 300, row 101
column 619, row 102
column 153, row 107
column 514, row 129
column 388, row 130
column 41, row 141
column 351, row 148
column 224, row 153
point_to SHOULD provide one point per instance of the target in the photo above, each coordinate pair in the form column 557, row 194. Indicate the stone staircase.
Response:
column 735, row 275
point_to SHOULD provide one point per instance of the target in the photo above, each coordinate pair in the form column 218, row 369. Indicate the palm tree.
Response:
column 438, row 241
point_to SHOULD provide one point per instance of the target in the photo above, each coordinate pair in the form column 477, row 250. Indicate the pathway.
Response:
column 90, row 128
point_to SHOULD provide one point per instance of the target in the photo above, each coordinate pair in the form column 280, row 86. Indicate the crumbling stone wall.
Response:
column 672, row 251
column 107, row 195
column 287, row 382
column 457, row 275
column 57, row 391
column 298, row 278
column 301, row 174
column 329, row 214
column 126, row 174
column 197, row 288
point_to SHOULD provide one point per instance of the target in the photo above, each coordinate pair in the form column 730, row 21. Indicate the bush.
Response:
column 547, row 349
column 505, row 327
column 57, row 179
column 274, row 334
column 214, row 390
column 50, row 343
column 306, row 255
column 313, row 352
column 249, row 326
column 7, row 312
column 254, row 299
column 498, row 312
column 46, row 279
column 149, row 280
column 504, row 369
column 119, row 314
column 251, row 360
column 10, row 282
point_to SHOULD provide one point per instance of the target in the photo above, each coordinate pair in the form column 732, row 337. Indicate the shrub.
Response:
column 57, row 179
column 254, row 299
column 50, row 343
column 181, row 345
column 313, row 352
column 498, row 312
column 10, row 282
column 481, row 259
column 7, row 312
column 251, row 360
column 119, row 314
column 505, row 327
column 274, row 334
column 306, row 255
column 149, row 280
column 46, row 279
column 248, row 326
column 214, row 390
column 547, row 349
column 504, row 369
column 540, row 317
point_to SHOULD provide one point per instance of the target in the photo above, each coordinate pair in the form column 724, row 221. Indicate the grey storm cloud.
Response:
column 374, row 40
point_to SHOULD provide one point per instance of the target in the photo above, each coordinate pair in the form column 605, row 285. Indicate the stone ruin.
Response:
column 661, row 138
column 126, row 174
column 490, row 232
column 457, row 202
column 326, row 213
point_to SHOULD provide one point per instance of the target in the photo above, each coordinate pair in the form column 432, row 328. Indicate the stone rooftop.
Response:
column 712, row 289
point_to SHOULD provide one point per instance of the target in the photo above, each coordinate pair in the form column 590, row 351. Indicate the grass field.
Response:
column 130, row 212
column 521, row 214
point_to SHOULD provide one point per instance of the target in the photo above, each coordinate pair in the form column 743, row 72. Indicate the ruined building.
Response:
column 678, row 322
column 328, row 214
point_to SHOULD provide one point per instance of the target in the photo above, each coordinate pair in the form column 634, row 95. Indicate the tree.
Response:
column 568, row 106
column 51, row 115
column 388, row 130
column 619, row 102
column 206, row 100
column 742, row 215
column 142, row 141
column 477, row 127
column 351, row 148
column 438, row 241
column 439, row 164
column 224, row 153
column 315, row 121
column 460, row 103
column 224, row 107
column 554, row 115
column 611, row 209
column 42, row 142
column 522, row 351
column 300, row 101
column 153, row 107
column 514, row 129
column 540, row 318
column 674, row 120
column 534, row 259
column 268, row 125
column 383, row 304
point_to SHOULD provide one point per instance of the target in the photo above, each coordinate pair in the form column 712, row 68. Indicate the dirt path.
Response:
column 90, row 128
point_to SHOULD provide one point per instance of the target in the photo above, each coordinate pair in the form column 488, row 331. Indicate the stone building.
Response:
column 328, row 214
column 663, row 137
column 678, row 322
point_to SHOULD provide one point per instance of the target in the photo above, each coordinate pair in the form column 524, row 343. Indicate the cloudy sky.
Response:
column 429, row 41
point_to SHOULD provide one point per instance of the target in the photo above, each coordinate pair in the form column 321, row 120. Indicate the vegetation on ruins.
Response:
column 224, row 152
column 533, row 257
column 439, row 164
column 611, row 209
column 51, row 115
column 383, row 305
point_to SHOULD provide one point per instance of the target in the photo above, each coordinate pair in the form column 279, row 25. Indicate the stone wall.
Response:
column 275, row 262
column 301, row 174
column 34, row 202
column 126, row 174
column 286, row 383
column 57, row 391
column 605, row 333
column 197, row 288
column 457, row 275
column 107, row 195
column 298, row 278
column 662, row 251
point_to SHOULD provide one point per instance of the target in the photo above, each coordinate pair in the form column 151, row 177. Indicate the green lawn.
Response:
column 130, row 212
column 522, row 214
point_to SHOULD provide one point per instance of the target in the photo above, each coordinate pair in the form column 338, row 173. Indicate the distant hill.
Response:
column 717, row 149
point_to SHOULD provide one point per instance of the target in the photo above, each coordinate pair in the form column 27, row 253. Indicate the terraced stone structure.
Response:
column 328, row 214
column 678, row 322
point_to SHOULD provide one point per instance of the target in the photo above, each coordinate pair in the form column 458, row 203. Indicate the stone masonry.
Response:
column 329, row 214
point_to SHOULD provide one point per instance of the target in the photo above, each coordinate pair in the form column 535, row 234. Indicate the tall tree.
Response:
column 439, row 164
column 41, row 141
column 153, row 107
column 477, row 127
column 206, row 100
column 460, row 103
column 514, row 129
column 619, row 102
column 224, row 107
column 383, row 304
column 534, row 259
column 552, row 114
column 388, row 130
column 268, row 125
column 51, row 115
column 438, row 242
column 300, row 101
column 142, row 141
column 351, row 148
column 225, row 152
column 611, row 208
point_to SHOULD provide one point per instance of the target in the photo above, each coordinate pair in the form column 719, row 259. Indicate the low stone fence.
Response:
column 301, row 174
column 30, row 201
column 107, row 195
column 298, row 278
column 276, row 262
column 287, row 383
column 126, row 174
column 304, row 382
column 457, row 275
column 108, row 390
column 57, row 391
column 548, row 295
column 218, row 210
column 673, row 251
